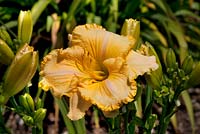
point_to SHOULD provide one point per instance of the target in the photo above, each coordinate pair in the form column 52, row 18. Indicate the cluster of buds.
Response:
column 177, row 77
column 21, row 62
column 21, row 66
column 32, row 114
column 185, row 75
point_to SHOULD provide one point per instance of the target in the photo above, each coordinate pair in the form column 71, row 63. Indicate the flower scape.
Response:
column 98, row 68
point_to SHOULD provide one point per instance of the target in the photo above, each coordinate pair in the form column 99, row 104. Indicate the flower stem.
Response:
column 163, row 124
column 37, row 130
column 80, row 126
column 63, row 108
column 168, row 111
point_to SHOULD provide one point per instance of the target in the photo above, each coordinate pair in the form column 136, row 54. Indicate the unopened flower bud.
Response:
column 28, row 120
column 6, row 54
column 194, row 79
column 27, row 102
column 25, row 26
column 155, row 77
column 39, row 115
column 21, row 71
column 187, row 65
column 4, row 35
column 131, row 28
column 171, row 59
column 181, row 73
column 153, row 80
column 39, row 103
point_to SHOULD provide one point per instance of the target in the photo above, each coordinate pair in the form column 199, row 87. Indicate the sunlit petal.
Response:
column 61, row 72
column 140, row 64
column 99, row 43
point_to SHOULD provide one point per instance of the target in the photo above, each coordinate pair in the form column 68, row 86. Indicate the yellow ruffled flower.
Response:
column 98, row 68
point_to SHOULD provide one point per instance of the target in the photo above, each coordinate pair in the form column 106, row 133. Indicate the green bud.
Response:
column 181, row 73
column 155, row 77
column 25, row 26
column 21, row 71
column 164, row 89
column 6, row 54
column 154, row 80
column 194, row 79
column 187, row 65
column 131, row 28
column 171, row 59
column 28, row 120
column 27, row 102
column 39, row 103
column 39, row 115
column 4, row 35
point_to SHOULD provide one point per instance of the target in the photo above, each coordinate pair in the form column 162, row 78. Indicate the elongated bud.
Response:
column 153, row 80
column 21, row 71
column 27, row 102
column 194, row 79
column 39, row 103
column 39, row 115
column 171, row 59
column 155, row 77
column 6, row 54
column 25, row 26
column 131, row 28
column 4, row 35
column 187, row 65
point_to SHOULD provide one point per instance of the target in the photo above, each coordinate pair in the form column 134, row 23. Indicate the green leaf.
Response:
column 38, row 8
column 193, row 41
column 175, row 29
column 173, row 120
column 188, row 103
column 188, row 13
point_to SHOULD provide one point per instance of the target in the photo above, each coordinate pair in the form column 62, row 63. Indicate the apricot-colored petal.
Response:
column 61, row 70
column 100, row 43
column 139, row 64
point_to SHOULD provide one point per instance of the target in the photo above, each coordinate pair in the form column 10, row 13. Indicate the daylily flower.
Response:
column 99, row 68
